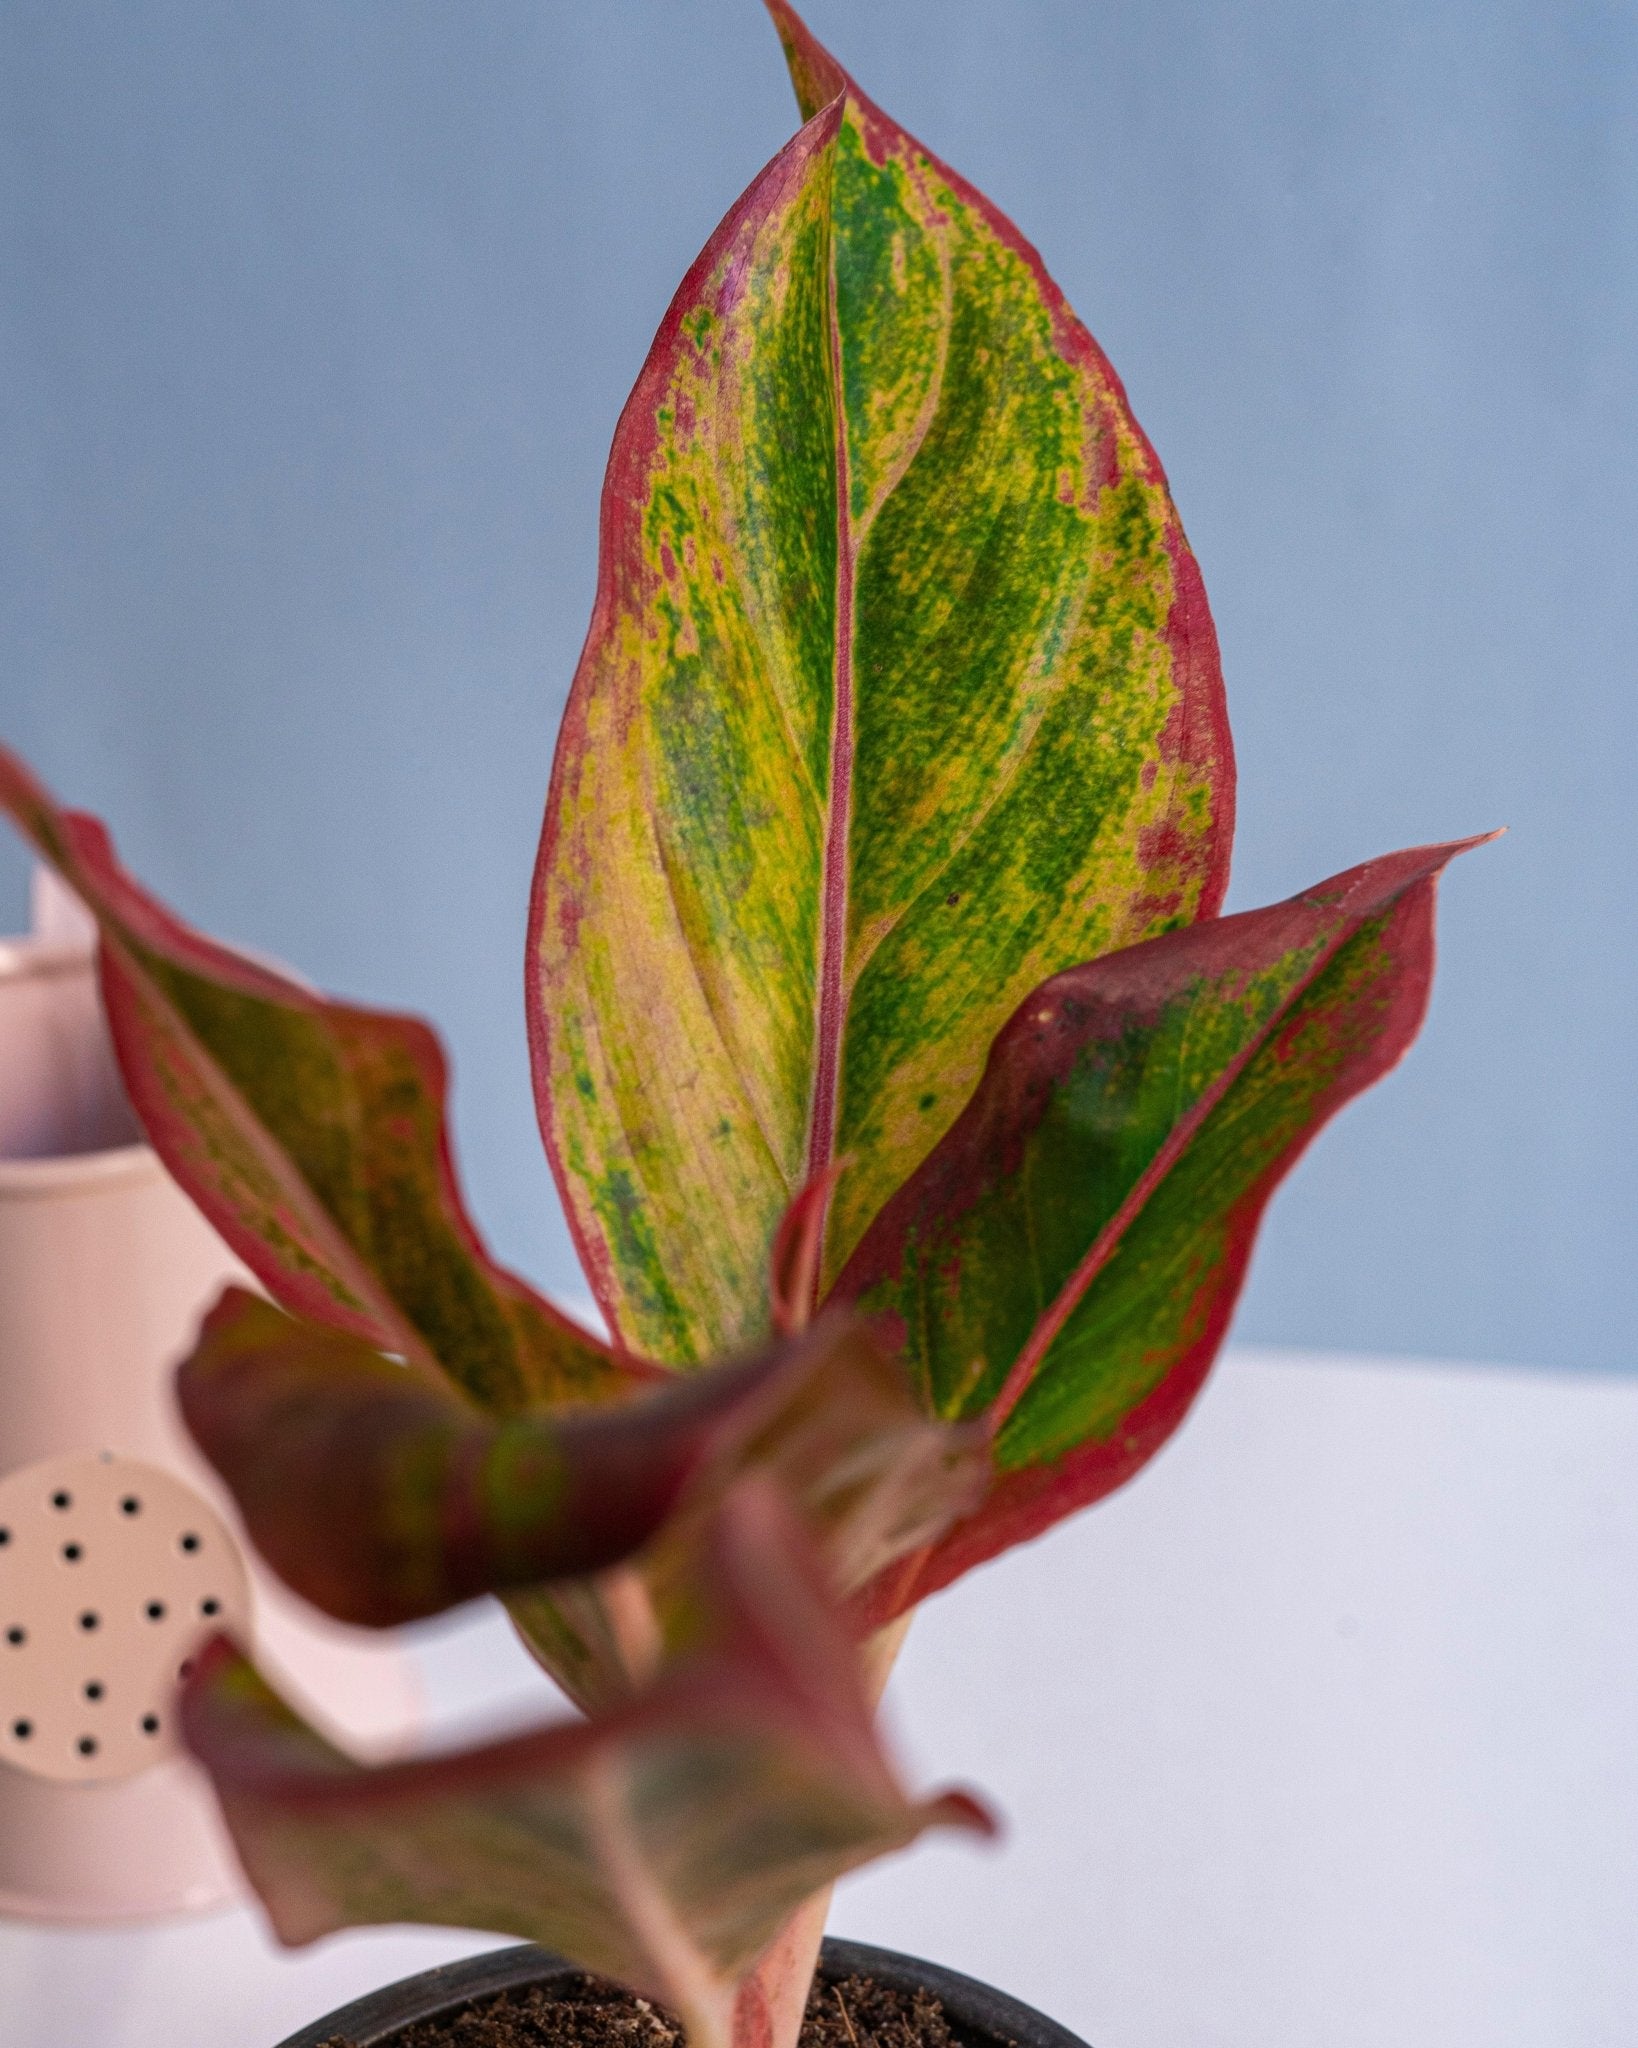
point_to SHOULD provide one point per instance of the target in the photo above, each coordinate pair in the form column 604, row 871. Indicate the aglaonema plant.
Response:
column 913, row 1106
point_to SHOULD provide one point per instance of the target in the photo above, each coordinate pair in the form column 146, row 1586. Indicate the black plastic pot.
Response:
column 980, row 2017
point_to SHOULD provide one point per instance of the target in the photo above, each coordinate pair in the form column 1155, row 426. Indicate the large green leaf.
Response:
column 663, row 1843
column 312, row 1135
column 900, row 694
column 1065, row 1263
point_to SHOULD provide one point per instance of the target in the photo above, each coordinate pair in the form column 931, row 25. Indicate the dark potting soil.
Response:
column 583, row 2012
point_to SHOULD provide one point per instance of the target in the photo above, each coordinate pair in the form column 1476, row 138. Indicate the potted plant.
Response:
column 912, row 1104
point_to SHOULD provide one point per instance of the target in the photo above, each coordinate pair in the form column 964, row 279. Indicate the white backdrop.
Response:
column 1319, row 1735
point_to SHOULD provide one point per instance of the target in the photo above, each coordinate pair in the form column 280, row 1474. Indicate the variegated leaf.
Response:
column 1064, row 1265
column 900, row 694
column 381, row 1498
column 312, row 1134
column 663, row 1843
column 837, row 1424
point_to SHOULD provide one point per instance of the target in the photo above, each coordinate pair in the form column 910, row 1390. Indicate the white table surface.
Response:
column 1323, row 1734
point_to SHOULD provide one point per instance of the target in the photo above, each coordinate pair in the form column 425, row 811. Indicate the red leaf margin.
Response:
column 1023, row 1503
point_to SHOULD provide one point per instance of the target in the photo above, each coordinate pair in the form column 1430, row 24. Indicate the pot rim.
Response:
column 978, row 2012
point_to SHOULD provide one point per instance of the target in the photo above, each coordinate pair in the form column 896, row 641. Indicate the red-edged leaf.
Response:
column 381, row 1498
column 1065, row 1263
column 663, row 1844
column 845, row 1438
column 836, row 1423
column 312, row 1134
column 900, row 693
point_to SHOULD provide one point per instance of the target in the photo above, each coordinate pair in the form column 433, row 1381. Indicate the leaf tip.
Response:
column 793, row 1276
column 816, row 76
column 956, row 1808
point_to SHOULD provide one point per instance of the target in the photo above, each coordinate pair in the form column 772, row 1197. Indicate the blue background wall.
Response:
column 315, row 321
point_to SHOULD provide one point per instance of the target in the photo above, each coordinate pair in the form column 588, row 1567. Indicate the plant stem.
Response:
column 772, row 1999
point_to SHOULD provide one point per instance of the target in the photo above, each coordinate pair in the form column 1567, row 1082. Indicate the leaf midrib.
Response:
column 1049, row 1325
column 839, row 807
column 838, row 977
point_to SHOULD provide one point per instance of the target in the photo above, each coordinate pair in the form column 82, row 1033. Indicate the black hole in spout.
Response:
column 62, row 1500
column 5, row 1538
column 93, row 1689
column 72, row 1553
column 190, row 1542
column 208, row 1607
column 187, row 1669
column 150, row 1724
column 87, row 1745
column 89, row 1621
column 155, row 1610
column 130, row 1505
column 22, row 1730
column 16, row 1636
